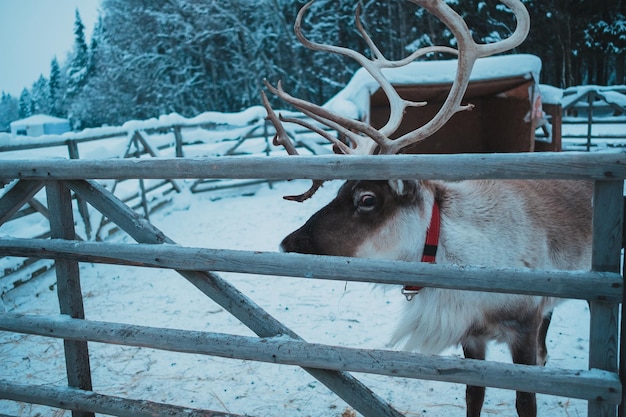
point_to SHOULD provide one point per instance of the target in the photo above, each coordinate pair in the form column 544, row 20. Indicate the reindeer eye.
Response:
column 367, row 202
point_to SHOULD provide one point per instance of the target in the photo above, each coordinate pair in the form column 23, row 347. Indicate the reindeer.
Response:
column 527, row 224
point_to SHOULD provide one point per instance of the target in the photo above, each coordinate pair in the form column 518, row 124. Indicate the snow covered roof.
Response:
column 38, row 119
column 351, row 100
column 550, row 94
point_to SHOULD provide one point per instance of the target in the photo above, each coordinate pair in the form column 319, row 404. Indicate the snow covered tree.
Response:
column 56, row 90
column 25, row 104
column 9, row 111
column 86, row 107
column 40, row 96
column 78, row 69
column 190, row 56
column 565, row 35
column 96, row 37
column 603, row 39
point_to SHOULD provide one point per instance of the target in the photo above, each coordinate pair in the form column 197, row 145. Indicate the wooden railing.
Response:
column 172, row 135
column 601, row 385
column 593, row 108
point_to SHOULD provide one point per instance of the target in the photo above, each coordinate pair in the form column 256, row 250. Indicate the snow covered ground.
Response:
column 337, row 313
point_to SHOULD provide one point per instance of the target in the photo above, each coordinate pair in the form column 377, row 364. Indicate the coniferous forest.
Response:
column 147, row 58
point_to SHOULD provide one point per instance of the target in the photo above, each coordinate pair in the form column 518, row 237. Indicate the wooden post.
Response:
column 68, row 288
column 83, row 210
column 179, row 141
column 142, row 189
column 144, row 199
column 621, row 411
column 590, row 97
column 606, row 251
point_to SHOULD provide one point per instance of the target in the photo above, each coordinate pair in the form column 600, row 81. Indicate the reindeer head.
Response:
column 367, row 219
column 371, row 204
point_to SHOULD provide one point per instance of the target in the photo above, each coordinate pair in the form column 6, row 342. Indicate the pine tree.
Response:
column 96, row 38
column 78, row 70
column 9, row 111
column 40, row 96
column 55, row 86
column 25, row 104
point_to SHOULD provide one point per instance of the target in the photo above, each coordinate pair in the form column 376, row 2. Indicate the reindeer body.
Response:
column 516, row 224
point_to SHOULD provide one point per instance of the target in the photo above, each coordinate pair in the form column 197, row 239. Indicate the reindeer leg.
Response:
column 542, row 349
column 476, row 348
column 524, row 351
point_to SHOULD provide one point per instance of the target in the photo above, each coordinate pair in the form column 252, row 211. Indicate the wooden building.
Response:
column 503, row 89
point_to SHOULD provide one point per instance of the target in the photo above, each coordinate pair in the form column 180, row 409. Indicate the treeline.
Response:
column 147, row 58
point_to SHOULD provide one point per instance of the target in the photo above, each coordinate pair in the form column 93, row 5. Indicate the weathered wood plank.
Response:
column 606, row 249
column 595, row 384
column 18, row 195
column 231, row 299
column 608, row 205
column 141, row 136
column 83, row 210
column 593, row 286
column 178, row 137
column 621, row 409
column 68, row 287
column 469, row 166
column 76, row 399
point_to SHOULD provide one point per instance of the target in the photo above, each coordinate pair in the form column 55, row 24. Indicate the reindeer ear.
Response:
column 398, row 186
column 405, row 188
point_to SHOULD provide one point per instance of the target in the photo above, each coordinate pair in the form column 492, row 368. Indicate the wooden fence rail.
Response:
column 591, row 286
column 78, row 400
column 573, row 166
column 587, row 385
column 603, row 287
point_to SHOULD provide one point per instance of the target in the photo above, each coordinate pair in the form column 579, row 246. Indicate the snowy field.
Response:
column 336, row 313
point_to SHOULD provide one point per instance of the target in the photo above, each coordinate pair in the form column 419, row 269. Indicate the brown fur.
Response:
column 516, row 224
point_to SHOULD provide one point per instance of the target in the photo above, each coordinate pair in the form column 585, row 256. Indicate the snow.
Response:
column 550, row 94
column 246, row 117
column 38, row 119
column 611, row 95
column 330, row 312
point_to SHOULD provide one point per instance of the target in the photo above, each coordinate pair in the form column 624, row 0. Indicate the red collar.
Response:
column 430, row 248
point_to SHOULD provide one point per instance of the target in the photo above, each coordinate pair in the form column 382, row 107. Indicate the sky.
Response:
column 33, row 32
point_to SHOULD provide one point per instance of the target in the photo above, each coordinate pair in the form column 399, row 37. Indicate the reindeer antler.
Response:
column 365, row 139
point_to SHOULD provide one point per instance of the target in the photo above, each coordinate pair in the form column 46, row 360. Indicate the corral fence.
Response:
column 173, row 135
column 601, row 385
column 593, row 117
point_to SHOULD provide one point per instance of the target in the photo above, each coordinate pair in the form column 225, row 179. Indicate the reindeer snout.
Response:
column 284, row 247
column 296, row 242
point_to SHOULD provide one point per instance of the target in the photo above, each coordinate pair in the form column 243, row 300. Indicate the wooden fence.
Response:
column 142, row 139
column 603, row 287
column 593, row 108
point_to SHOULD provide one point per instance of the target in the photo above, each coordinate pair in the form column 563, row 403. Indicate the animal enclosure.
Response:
column 602, row 287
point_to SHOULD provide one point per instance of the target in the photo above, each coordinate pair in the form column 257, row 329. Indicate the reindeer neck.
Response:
column 464, row 214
